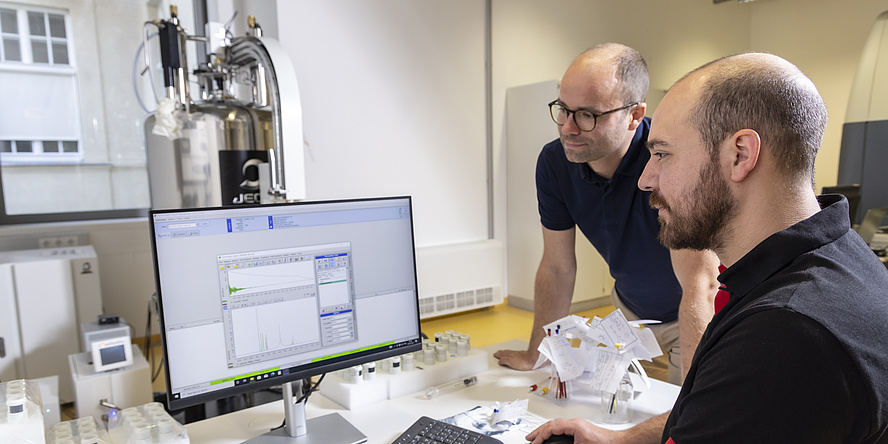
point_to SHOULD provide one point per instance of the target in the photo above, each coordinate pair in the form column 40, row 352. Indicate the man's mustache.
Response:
column 657, row 201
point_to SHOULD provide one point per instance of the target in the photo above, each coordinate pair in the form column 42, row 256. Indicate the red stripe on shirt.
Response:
column 722, row 297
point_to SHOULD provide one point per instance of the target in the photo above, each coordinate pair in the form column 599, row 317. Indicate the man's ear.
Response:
column 637, row 115
column 744, row 148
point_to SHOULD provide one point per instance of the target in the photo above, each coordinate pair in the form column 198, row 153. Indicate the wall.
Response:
column 826, row 42
column 393, row 102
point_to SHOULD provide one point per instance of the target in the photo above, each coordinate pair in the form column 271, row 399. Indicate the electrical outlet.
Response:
column 57, row 241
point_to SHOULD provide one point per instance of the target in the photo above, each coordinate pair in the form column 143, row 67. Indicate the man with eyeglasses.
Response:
column 588, row 179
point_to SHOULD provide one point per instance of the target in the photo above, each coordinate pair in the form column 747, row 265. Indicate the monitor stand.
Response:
column 327, row 429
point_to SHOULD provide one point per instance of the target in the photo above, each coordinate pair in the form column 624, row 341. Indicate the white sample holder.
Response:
column 83, row 430
column 388, row 386
column 124, row 387
column 146, row 424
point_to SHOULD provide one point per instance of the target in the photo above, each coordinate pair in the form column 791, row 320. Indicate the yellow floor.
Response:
column 493, row 325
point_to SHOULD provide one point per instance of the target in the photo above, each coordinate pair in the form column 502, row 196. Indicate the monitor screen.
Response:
column 852, row 193
column 255, row 296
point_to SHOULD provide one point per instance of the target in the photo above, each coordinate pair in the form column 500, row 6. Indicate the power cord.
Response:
column 152, row 307
column 312, row 387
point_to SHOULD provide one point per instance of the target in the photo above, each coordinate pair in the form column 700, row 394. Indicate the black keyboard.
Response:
column 430, row 431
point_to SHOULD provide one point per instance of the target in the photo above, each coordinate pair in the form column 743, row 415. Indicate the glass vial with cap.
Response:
column 450, row 387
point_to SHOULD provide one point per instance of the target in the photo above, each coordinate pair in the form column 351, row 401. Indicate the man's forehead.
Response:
column 671, row 119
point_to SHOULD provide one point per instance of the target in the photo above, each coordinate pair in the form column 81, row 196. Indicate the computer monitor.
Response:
column 852, row 193
column 256, row 296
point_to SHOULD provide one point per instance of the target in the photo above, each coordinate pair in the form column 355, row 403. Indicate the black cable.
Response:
column 306, row 393
column 152, row 307
column 157, row 373
column 147, row 351
column 311, row 389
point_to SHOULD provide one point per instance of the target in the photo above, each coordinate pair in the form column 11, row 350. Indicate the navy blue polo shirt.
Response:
column 616, row 217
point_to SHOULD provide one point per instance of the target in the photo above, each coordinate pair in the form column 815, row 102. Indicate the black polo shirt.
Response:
column 615, row 215
column 800, row 352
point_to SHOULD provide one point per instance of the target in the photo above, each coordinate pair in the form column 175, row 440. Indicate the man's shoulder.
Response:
column 553, row 146
column 553, row 154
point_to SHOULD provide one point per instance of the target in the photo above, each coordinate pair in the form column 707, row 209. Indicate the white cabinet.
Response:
column 44, row 295
column 529, row 127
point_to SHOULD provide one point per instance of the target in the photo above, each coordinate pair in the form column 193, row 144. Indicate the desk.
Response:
column 384, row 421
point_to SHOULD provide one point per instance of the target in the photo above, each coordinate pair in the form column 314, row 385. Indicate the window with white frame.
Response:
column 70, row 140
column 40, row 122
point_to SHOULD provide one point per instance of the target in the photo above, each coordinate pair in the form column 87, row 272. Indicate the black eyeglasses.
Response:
column 583, row 118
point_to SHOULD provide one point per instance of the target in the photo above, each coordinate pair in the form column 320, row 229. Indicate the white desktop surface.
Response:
column 384, row 421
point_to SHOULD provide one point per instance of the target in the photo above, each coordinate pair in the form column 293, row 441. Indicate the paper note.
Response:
column 649, row 347
column 641, row 373
column 642, row 322
column 569, row 361
column 572, row 326
column 592, row 353
column 610, row 369
column 596, row 333
column 617, row 328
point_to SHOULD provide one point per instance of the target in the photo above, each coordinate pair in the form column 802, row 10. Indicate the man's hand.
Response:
column 517, row 359
column 582, row 431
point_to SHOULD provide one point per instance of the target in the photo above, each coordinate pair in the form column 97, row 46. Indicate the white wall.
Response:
column 394, row 103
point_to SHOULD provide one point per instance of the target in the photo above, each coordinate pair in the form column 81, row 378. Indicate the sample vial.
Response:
column 356, row 374
column 407, row 362
column 395, row 367
column 93, row 437
column 462, row 348
column 428, row 356
column 142, row 435
column 15, row 407
column 63, row 434
column 441, row 353
column 165, row 430
column 369, row 371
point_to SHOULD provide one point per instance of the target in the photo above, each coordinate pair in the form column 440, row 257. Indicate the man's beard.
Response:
column 702, row 224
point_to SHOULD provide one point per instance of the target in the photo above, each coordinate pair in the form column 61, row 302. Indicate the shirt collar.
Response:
column 781, row 248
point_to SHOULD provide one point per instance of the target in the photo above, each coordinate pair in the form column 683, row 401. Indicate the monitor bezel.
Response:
column 308, row 370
